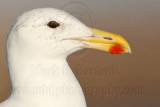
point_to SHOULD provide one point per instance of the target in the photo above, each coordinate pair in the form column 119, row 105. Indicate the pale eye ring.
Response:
column 53, row 24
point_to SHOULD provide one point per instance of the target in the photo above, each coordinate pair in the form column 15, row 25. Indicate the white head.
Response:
column 45, row 33
column 41, row 32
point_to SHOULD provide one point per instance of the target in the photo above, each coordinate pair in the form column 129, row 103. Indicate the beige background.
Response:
column 108, row 80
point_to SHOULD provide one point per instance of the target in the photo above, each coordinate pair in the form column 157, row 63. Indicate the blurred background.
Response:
column 125, row 80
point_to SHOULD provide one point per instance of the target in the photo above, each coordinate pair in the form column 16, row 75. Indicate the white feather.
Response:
column 36, row 54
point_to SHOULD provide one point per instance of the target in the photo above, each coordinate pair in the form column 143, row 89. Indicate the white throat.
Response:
column 43, row 82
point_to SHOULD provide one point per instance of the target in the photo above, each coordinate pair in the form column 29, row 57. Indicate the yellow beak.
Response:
column 106, row 41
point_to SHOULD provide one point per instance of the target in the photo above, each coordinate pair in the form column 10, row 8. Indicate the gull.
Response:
column 37, row 47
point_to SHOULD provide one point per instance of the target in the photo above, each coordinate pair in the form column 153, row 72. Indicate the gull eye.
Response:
column 53, row 24
column 109, row 38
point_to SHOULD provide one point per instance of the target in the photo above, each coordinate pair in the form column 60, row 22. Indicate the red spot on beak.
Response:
column 116, row 49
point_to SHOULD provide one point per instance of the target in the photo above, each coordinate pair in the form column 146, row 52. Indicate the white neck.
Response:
column 44, row 82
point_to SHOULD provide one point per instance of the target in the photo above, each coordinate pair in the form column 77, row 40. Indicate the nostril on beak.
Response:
column 108, row 38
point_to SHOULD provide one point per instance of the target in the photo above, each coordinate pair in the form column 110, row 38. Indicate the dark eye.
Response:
column 109, row 38
column 53, row 24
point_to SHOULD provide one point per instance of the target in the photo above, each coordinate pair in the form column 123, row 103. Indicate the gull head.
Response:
column 49, row 32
